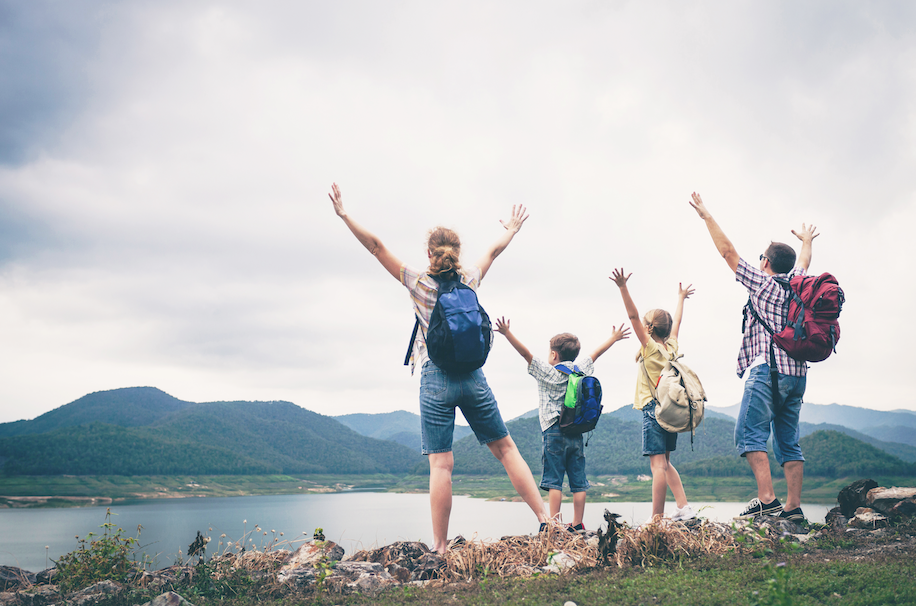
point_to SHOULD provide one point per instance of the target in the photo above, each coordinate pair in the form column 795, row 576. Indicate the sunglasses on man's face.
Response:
column 762, row 257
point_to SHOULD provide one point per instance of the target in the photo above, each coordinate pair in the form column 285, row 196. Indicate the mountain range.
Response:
column 145, row 431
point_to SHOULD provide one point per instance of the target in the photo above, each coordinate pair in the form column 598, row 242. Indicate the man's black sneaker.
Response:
column 794, row 515
column 756, row 508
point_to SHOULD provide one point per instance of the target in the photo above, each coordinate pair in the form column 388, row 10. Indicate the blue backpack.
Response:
column 459, row 336
column 582, row 407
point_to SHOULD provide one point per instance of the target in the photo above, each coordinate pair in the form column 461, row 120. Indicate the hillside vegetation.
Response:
column 106, row 437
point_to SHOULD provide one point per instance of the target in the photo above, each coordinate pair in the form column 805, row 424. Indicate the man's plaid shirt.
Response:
column 771, row 301
column 552, row 388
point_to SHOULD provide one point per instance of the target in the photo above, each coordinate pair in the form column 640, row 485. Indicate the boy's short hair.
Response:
column 781, row 256
column 566, row 345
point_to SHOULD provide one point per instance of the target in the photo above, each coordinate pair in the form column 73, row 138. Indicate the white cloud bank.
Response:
column 165, row 167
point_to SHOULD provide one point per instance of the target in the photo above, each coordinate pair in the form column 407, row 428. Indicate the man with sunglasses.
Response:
column 772, row 396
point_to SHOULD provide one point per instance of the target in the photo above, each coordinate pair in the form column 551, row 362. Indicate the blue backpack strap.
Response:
column 566, row 371
column 413, row 338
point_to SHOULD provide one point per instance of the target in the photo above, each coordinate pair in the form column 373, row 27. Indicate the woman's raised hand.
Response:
column 685, row 292
column 619, row 279
column 519, row 216
column 337, row 199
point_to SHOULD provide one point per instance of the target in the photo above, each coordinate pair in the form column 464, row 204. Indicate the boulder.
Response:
column 169, row 598
column 404, row 560
column 310, row 554
column 853, row 496
column 885, row 499
column 13, row 578
column 39, row 595
column 96, row 593
column 868, row 519
column 835, row 518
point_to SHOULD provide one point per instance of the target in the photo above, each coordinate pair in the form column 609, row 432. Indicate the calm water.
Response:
column 354, row 520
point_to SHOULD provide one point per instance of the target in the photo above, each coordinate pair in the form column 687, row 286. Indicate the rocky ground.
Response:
column 871, row 522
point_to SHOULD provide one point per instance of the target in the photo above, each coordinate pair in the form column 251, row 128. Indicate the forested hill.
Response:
column 128, row 407
column 615, row 447
column 187, row 438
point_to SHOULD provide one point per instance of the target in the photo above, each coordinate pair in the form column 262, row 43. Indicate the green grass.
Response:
column 727, row 581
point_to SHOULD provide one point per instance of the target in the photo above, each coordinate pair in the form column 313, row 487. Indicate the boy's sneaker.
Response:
column 683, row 513
column 794, row 515
column 578, row 528
column 756, row 508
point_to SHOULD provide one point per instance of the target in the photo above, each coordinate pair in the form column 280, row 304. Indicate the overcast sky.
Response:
column 164, row 169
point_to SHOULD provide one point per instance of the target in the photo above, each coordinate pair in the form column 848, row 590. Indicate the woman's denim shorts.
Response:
column 655, row 440
column 441, row 393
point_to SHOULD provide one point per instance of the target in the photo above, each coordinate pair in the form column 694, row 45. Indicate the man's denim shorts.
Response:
column 563, row 454
column 758, row 415
column 441, row 393
column 655, row 440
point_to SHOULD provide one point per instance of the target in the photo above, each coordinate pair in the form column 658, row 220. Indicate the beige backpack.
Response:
column 680, row 396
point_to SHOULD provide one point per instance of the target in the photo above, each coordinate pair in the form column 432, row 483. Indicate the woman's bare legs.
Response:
column 441, row 465
column 506, row 452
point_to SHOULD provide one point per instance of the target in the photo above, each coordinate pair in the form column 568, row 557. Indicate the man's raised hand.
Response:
column 696, row 202
column 807, row 233
column 337, row 199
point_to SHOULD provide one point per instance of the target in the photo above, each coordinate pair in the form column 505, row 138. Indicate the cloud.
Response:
column 164, row 171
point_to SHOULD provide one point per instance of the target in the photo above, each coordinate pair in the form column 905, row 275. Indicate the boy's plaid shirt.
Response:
column 771, row 301
column 552, row 387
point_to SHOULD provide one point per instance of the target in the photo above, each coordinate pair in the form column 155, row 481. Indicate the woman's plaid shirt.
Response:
column 772, row 303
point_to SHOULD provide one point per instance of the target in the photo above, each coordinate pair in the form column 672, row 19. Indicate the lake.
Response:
column 354, row 520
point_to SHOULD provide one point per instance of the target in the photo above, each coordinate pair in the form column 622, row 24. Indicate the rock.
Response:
column 40, row 595
column 46, row 576
column 371, row 584
column 836, row 519
column 405, row 560
column 884, row 499
column 8, row 598
column 298, row 577
column 169, row 598
column 99, row 592
column 310, row 554
column 779, row 527
column 868, row 519
column 904, row 510
column 13, row 578
column 853, row 496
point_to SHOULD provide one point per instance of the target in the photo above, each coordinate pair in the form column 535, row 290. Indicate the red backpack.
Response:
column 813, row 328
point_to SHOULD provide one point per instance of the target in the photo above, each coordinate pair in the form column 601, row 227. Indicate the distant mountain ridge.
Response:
column 399, row 426
column 144, row 431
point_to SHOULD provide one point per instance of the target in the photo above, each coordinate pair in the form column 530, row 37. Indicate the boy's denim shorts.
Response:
column 758, row 415
column 655, row 440
column 441, row 393
column 563, row 454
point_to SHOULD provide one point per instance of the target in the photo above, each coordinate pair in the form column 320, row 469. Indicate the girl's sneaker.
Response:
column 579, row 528
column 683, row 513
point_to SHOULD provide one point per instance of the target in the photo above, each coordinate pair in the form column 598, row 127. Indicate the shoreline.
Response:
column 25, row 492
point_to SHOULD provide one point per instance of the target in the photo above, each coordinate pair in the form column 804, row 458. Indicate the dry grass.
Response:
column 526, row 556
column 660, row 541
column 517, row 556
